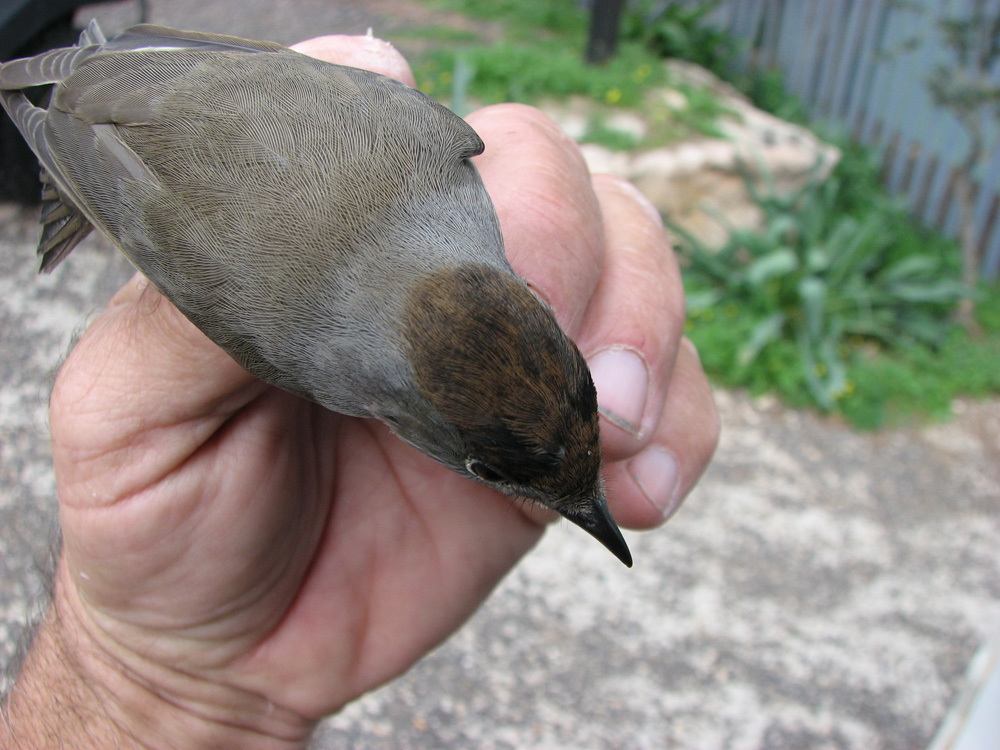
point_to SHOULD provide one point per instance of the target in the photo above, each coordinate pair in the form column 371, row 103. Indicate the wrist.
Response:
column 78, row 691
column 52, row 705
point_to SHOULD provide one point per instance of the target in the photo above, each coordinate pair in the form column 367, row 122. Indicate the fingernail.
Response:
column 643, row 202
column 655, row 471
column 621, row 379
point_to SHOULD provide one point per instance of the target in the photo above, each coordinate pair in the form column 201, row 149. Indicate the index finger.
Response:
column 548, row 210
column 368, row 52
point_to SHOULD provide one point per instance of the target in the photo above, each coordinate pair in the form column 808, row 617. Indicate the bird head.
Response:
column 511, row 390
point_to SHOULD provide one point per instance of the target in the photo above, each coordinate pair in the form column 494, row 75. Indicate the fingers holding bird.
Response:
column 659, row 425
column 647, row 487
column 595, row 249
column 634, row 319
column 592, row 247
column 368, row 52
column 550, row 217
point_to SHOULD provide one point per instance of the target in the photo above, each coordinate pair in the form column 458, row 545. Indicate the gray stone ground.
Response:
column 820, row 589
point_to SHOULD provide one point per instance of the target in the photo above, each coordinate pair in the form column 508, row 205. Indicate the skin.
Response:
column 236, row 560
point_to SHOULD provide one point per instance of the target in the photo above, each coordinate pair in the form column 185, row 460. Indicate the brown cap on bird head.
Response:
column 533, row 430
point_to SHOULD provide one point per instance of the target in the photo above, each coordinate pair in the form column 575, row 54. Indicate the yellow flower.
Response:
column 641, row 73
column 445, row 78
column 427, row 86
column 613, row 96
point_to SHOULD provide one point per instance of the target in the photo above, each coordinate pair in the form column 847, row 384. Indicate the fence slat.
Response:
column 846, row 60
column 844, row 81
column 862, row 83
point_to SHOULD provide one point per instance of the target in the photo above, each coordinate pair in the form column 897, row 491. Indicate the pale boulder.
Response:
column 698, row 183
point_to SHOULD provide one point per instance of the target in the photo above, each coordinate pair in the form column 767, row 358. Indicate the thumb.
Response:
column 365, row 52
column 139, row 369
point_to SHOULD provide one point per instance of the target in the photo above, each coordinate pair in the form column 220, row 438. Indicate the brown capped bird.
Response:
column 325, row 226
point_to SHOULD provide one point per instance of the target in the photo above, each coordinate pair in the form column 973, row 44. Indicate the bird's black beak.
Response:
column 600, row 525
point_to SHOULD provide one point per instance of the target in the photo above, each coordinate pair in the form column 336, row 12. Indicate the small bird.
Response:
column 325, row 226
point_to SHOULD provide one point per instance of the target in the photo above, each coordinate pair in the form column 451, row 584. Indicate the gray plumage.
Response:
column 151, row 145
column 289, row 208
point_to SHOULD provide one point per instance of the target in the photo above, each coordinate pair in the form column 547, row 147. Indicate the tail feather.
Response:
column 28, row 118
column 64, row 226
column 91, row 35
column 50, row 67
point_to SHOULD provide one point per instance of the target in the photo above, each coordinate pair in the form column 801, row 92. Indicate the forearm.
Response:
column 52, row 705
column 73, row 693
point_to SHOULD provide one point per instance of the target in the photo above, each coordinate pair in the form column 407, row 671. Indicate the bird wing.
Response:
column 147, row 36
column 52, row 66
column 93, row 165
column 67, row 221
column 64, row 224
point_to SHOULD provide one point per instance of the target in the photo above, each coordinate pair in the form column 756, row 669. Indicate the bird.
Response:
column 326, row 227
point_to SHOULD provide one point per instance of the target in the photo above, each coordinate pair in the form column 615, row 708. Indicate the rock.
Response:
column 697, row 183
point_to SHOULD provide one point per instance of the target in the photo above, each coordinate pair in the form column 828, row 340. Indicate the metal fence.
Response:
column 862, row 65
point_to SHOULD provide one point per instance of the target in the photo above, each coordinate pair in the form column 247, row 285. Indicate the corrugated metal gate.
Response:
column 862, row 65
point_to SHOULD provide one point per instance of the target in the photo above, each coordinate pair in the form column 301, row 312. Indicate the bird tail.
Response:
column 52, row 66
column 65, row 226
column 91, row 35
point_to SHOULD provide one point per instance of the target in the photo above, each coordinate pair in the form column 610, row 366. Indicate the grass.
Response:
column 548, row 69
column 899, row 364
column 539, row 56
column 553, row 18
column 614, row 139
column 884, row 388
column 918, row 383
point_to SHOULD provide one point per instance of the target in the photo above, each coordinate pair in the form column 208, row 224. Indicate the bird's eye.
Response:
column 484, row 471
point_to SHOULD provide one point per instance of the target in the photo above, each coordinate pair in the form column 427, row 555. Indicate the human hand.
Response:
column 239, row 562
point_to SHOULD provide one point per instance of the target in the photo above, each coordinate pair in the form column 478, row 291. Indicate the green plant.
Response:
column 890, row 387
column 767, row 90
column 815, row 284
column 547, row 68
column 555, row 17
column 703, row 110
column 678, row 29
column 598, row 131
column 534, row 53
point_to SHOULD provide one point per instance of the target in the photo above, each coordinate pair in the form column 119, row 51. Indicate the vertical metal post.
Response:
column 603, row 41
